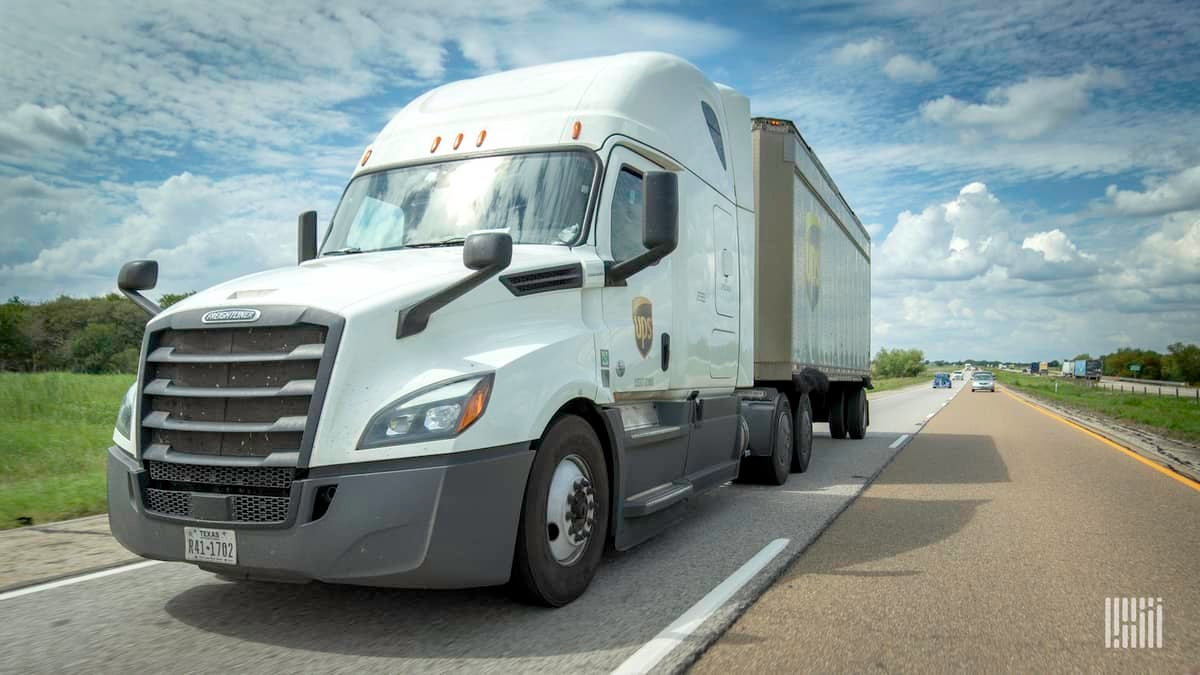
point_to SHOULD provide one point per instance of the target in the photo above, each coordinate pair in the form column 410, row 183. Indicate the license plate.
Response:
column 203, row 544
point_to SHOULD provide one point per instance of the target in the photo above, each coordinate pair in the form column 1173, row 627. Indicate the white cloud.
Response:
column 907, row 69
column 1171, row 255
column 1053, row 245
column 1027, row 109
column 1179, row 192
column 32, row 127
column 853, row 52
column 201, row 230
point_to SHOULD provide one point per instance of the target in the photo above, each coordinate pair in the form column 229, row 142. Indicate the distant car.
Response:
column 956, row 375
column 941, row 380
column 982, row 381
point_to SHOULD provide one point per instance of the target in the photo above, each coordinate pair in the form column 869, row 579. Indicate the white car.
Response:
column 983, row 380
column 956, row 375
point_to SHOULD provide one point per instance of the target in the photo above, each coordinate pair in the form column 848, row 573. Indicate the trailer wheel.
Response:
column 836, row 400
column 564, row 519
column 803, row 433
column 772, row 469
column 856, row 414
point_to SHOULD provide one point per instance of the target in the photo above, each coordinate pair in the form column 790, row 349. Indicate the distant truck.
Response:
column 1079, row 369
column 552, row 306
column 1044, row 367
column 1034, row 367
column 1068, row 368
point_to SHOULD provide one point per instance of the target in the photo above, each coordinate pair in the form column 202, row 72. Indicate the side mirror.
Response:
column 307, row 237
column 139, row 275
column 485, row 250
column 660, row 226
column 487, row 253
column 660, row 209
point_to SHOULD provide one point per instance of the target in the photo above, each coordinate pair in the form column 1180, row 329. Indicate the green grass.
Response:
column 1167, row 415
column 54, row 430
column 888, row 383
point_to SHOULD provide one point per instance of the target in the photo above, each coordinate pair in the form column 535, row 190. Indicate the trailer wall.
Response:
column 813, row 264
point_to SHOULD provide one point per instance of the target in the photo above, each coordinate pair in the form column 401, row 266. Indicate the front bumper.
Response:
column 441, row 522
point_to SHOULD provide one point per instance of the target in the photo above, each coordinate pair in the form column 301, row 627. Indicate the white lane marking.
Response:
column 50, row 585
column 653, row 651
column 899, row 441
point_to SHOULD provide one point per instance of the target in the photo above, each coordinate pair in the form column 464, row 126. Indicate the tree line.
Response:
column 80, row 335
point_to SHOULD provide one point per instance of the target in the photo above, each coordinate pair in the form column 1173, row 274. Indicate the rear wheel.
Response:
column 564, row 519
column 772, row 469
column 856, row 413
column 803, row 433
column 836, row 400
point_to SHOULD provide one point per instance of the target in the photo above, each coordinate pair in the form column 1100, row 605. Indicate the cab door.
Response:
column 637, row 314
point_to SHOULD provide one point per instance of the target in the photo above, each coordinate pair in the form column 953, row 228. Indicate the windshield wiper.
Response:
column 449, row 241
column 349, row 250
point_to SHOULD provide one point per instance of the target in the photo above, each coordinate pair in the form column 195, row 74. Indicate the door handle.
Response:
column 666, row 350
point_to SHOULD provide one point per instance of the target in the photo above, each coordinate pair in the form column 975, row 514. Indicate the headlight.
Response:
column 125, row 414
column 441, row 411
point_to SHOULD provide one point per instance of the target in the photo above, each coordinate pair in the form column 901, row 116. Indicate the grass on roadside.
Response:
column 54, row 429
column 1174, row 417
column 888, row 383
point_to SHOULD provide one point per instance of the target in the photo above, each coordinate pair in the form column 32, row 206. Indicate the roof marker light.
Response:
column 479, row 139
column 365, row 157
column 437, row 140
column 575, row 129
column 457, row 141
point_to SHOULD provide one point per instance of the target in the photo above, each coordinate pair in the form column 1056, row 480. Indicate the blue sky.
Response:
column 1030, row 171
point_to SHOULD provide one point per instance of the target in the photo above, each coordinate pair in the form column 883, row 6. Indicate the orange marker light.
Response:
column 475, row 404
column 437, row 140
column 457, row 141
column 479, row 139
column 575, row 129
column 366, row 156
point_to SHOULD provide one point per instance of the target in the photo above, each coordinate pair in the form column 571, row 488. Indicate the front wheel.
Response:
column 564, row 519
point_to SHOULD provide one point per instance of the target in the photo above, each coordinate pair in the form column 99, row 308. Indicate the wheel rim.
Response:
column 570, row 510
column 783, row 439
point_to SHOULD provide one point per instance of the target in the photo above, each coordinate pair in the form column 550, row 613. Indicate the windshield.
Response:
column 538, row 198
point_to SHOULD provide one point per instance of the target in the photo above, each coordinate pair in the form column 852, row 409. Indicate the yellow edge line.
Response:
column 1157, row 467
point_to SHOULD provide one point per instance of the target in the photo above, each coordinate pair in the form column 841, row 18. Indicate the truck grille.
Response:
column 228, row 392
column 247, row 476
column 231, row 391
column 246, row 508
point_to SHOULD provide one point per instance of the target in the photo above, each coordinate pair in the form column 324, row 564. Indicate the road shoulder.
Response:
column 1177, row 456
column 41, row 553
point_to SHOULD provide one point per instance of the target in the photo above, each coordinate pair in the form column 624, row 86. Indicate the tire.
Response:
column 552, row 567
column 803, row 433
column 836, row 400
column 856, row 414
column 774, row 468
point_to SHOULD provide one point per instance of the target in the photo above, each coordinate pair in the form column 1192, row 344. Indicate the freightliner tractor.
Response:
column 552, row 306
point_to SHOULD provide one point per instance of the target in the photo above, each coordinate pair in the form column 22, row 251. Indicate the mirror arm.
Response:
column 415, row 317
column 142, row 301
column 615, row 274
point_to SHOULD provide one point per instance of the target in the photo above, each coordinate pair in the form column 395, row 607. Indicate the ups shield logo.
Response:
column 643, row 325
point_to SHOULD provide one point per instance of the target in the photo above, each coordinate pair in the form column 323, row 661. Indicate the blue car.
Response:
column 941, row 380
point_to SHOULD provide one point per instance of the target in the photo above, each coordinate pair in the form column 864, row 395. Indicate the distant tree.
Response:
column 169, row 299
column 1054, row 364
column 1082, row 357
column 899, row 363
column 1182, row 362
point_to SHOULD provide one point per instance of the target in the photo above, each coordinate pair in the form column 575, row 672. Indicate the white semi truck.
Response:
column 552, row 305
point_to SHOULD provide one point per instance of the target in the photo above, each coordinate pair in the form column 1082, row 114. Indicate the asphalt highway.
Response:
column 990, row 544
column 170, row 616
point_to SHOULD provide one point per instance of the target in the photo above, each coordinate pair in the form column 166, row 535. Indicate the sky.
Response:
column 1029, row 171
